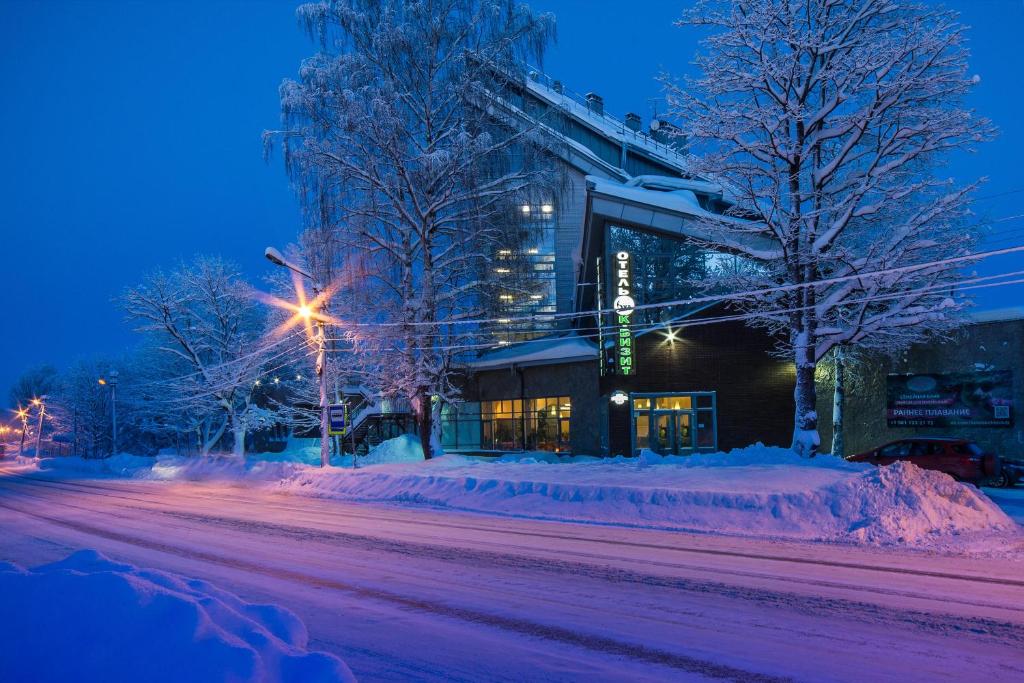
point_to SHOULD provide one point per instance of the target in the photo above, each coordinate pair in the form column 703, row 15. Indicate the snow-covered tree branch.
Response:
column 828, row 121
column 391, row 141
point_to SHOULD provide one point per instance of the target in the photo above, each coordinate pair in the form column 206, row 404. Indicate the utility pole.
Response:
column 321, row 371
column 113, row 411
column 23, row 414
column 275, row 257
column 39, row 430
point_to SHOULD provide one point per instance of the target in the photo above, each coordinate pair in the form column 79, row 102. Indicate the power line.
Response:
column 755, row 315
column 977, row 256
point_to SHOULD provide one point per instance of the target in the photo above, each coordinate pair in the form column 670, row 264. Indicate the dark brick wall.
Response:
column 755, row 390
column 578, row 381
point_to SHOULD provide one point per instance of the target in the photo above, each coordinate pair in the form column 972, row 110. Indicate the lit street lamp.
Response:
column 38, row 402
column 306, row 312
column 22, row 414
column 112, row 383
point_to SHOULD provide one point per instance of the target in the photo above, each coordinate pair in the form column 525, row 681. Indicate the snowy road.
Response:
column 419, row 594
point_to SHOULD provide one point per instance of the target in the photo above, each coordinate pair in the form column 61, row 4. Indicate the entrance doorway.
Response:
column 674, row 424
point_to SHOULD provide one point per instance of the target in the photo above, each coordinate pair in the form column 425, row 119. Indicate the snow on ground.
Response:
column 1011, row 501
column 86, row 618
column 755, row 491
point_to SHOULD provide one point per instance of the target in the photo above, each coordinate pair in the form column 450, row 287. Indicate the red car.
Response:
column 962, row 459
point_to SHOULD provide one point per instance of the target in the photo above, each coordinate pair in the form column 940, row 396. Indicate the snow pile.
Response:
column 908, row 504
column 87, row 618
column 405, row 448
column 753, row 491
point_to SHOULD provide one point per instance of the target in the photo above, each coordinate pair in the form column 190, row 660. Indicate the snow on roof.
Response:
column 668, row 211
column 609, row 125
column 997, row 315
column 564, row 348
column 666, row 183
column 678, row 201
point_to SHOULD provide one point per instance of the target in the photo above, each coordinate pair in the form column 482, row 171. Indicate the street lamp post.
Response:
column 23, row 414
column 112, row 383
column 113, row 411
column 275, row 257
column 39, row 431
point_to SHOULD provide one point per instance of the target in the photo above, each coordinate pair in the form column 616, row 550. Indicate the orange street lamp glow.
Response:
column 101, row 381
column 305, row 312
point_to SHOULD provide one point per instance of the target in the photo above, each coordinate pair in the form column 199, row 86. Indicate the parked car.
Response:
column 962, row 459
column 1011, row 474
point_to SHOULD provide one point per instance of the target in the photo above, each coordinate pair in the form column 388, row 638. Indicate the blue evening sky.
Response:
column 130, row 139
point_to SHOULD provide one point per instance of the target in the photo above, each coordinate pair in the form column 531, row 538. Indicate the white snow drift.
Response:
column 87, row 619
column 755, row 491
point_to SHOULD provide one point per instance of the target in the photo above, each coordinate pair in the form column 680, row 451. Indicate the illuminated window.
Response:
column 526, row 424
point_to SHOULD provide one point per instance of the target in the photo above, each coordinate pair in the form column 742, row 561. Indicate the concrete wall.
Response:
column 998, row 344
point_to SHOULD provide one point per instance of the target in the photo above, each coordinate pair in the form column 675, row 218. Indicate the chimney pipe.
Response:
column 595, row 103
column 633, row 122
column 557, row 87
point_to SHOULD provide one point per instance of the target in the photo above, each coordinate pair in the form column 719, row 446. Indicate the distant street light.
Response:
column 306, row 312
column 22, row 414
column 112, row 383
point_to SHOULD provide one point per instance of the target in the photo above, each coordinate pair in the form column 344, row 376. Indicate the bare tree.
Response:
column 825, row 119
column 395, row 123
column 202, row 316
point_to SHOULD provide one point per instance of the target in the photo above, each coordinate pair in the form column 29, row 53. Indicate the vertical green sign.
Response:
column 623, row 305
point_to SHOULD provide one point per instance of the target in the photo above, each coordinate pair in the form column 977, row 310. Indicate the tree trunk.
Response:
column 211, row 441
column 805, row 423
column 238, row 448
column 837, row 402
column 435, row 428
column 424, row 421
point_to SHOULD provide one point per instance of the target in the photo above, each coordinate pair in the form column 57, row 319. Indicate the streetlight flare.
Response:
column 304, row 312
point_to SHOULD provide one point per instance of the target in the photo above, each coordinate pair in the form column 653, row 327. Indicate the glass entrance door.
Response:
column 663, row 438
column 674, row 424
column 684, row 433
column 672, row 432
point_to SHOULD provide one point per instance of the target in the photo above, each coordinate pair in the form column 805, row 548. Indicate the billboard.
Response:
column 982, row 398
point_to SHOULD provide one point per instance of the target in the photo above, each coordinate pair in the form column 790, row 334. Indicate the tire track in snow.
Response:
column 525, row 627
column 945, row 624
column 631, row 544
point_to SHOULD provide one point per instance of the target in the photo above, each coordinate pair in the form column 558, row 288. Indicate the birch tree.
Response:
column 396, row 122
column 204, row 318
column 826, row 120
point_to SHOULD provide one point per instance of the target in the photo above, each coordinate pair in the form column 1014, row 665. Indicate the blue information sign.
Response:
column 337, row 419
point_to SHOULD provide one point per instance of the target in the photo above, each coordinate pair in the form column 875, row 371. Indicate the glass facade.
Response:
column 530, row 424
column 525, row 277
column 666, row 268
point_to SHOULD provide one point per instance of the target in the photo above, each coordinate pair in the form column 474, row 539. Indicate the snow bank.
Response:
column 87, row 618
column 754, row 491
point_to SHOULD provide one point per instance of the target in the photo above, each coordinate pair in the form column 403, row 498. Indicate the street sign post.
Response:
column 337, row 419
